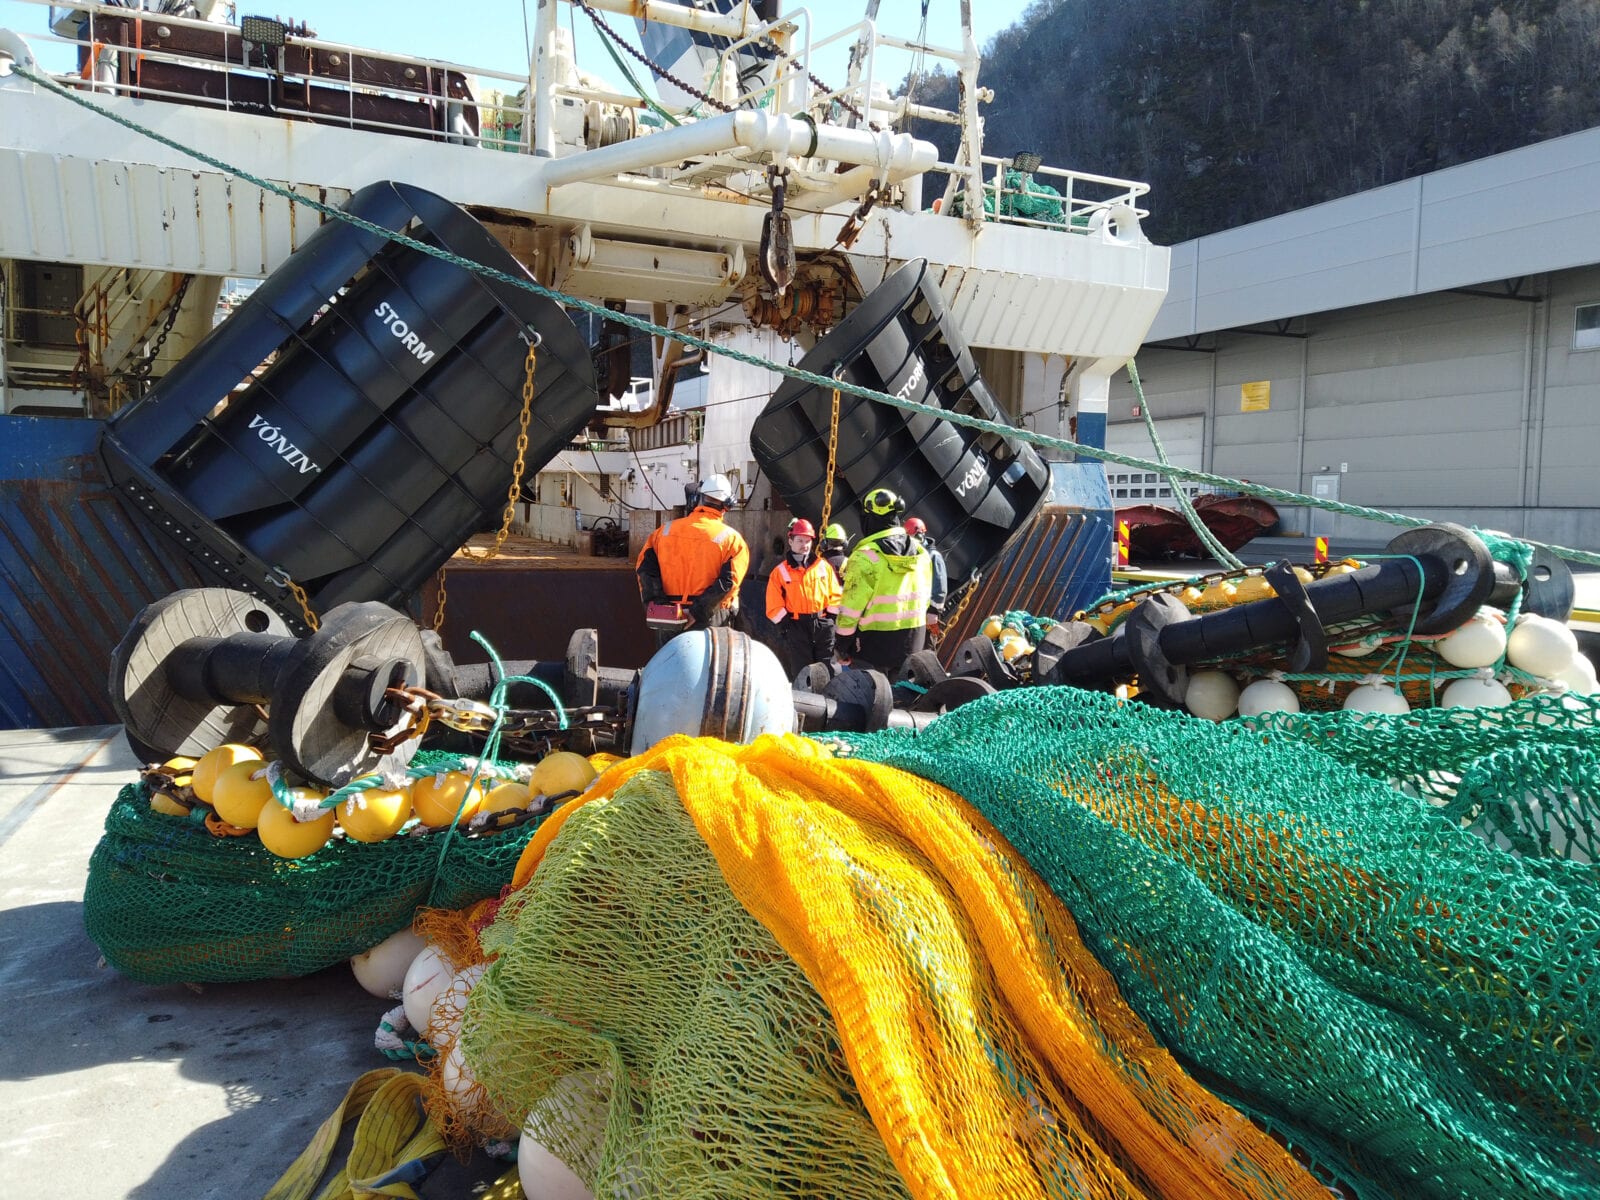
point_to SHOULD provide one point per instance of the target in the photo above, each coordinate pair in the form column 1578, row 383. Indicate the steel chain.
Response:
column 474, row 716
column 662, row 73
column 514, row 490
column 833, row 458
column 817, row 83
column 857, row 221
column 304, row 601
column 438, row 615
column 415, row 704
column 948, row 623
column 656, row 68
column 141, row 370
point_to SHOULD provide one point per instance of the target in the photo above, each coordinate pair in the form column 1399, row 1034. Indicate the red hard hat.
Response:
column 915, row 526
column 802, row 527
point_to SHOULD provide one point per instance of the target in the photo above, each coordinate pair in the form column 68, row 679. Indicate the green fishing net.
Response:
column 168, row 902
column 1380, row 934
column 1021, row 196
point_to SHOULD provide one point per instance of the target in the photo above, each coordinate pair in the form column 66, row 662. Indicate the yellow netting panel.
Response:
column 993, row 1053
column 652, row 1034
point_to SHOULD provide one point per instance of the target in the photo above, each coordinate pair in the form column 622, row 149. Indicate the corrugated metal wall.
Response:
column 1061, row 563
column 74, row 571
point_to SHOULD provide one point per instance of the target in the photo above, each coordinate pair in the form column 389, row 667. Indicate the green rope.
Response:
column 1411, row 625
column 965, row 420
column 1208, row 539
column 491, row 744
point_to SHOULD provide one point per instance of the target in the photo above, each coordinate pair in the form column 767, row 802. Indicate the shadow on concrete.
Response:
column 185, row 1092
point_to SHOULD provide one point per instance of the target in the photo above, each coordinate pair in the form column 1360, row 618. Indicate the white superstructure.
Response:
column 599, row 195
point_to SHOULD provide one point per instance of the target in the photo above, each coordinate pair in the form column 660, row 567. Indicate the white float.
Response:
column 1376, row 696
column 579, row 1103
column 1579, row 676
column 1267, row 695
column 1475, row 692
column 1478, row 643
column 444, row 1019
column 1213, row 695
column 382, row 969
column 1540, row 646
column 429, row 974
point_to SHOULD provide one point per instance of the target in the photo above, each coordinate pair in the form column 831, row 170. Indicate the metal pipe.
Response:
column 1541, row 347
column 4, row 333
column 902, row 108
column 972, row 124
column 544, row 106
column 763, row 133
column 1300, row 446
column 735, row 24
column 1527, row 417
column 1208, row 449
column 860, row 52
column 242, row 668
column 911, row 200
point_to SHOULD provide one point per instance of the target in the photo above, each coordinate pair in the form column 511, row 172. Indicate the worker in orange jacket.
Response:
column 802, row 600
column 691, row 568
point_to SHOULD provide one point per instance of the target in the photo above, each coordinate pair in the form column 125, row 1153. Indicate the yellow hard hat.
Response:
column 882, row 502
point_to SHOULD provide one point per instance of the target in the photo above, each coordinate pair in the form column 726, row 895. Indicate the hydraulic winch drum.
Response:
column 356, row 418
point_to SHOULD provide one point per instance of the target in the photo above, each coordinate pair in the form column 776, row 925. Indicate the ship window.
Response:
column 1586, row 327
column 48, row 294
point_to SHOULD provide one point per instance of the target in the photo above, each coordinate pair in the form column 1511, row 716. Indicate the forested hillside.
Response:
column 1234, row 110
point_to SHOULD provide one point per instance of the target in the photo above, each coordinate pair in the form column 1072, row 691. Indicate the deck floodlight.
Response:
column 263, row 31
column 1027, row 163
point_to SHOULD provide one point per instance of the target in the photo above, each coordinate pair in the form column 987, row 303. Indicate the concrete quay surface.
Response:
column 118, row 1089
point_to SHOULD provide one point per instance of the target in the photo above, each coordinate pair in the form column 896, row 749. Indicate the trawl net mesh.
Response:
column 917, row 978
column 168, row 902
column 1341, row 955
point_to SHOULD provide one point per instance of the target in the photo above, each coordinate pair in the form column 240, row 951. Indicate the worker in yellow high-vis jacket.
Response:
column 888, row 585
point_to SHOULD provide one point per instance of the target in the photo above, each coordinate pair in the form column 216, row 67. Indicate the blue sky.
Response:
column 489, row 33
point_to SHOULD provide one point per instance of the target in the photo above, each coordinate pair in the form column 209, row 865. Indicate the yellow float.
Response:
column 375, row 814
column 288, row 838
column 213, row 762
column 238, row 796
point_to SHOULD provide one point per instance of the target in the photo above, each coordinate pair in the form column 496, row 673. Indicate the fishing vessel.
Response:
column 116, row 245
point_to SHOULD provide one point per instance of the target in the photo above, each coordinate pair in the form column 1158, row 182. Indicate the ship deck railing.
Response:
column 209, row 64
column 286, row 71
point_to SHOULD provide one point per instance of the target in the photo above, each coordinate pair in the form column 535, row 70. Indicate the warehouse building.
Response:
column 1430, row 347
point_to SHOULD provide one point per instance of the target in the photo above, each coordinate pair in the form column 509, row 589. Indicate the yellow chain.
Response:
column 966, row 599
column 304, row 601
column 438, row 615
column 946, row 624
column 513, row 491
column 833, row 458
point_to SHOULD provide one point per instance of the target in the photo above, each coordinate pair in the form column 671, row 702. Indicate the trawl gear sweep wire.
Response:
column 980, row 424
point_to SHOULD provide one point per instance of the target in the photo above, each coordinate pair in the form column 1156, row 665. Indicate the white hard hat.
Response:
column 717, row 487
